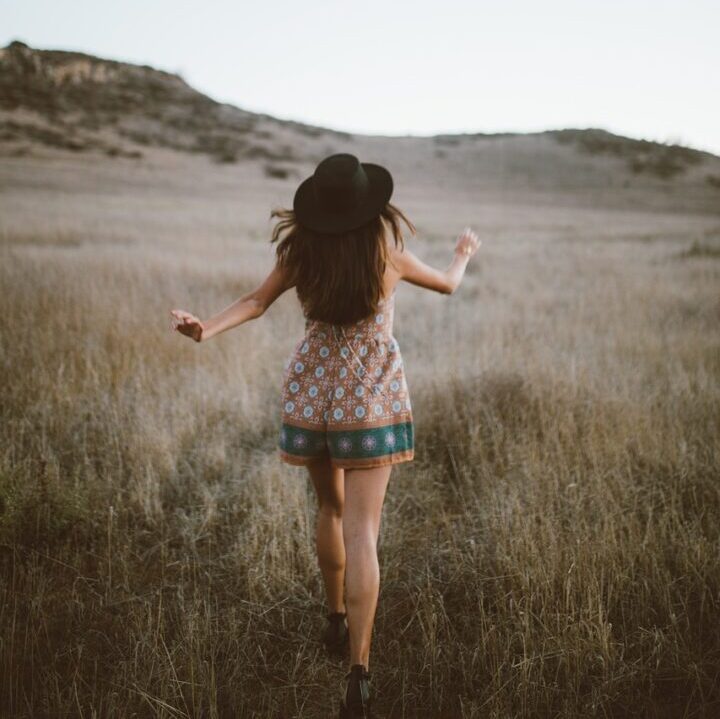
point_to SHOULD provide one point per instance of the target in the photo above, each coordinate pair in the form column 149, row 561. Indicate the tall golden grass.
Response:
column 553, row 550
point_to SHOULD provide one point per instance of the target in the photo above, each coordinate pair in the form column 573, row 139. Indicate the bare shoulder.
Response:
column 395, row 256
column 393, row 270
column 400, row 261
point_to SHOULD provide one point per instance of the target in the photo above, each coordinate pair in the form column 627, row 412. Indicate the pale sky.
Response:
column 643, row 68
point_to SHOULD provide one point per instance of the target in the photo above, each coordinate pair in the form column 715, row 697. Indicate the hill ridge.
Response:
column 75, row 101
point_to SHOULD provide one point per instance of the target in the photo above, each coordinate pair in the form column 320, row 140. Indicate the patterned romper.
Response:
column 345, row 395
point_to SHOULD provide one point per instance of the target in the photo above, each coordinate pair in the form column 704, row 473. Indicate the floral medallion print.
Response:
column 345, row 393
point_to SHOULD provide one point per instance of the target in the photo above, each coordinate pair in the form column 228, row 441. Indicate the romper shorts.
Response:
column 345, row 396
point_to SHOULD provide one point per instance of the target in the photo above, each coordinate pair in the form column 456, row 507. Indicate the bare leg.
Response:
column 330, row 489
column 364, row 495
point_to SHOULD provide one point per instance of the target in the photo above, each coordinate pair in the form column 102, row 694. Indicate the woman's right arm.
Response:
column 247, row 307
column 414, row 270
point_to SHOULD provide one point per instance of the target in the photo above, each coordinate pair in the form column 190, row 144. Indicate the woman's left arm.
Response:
column 247, row 307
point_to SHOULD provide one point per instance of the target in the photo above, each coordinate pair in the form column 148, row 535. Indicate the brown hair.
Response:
column 338, row 278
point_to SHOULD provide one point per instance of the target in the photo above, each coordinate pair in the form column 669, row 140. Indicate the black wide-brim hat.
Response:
column 342, row 194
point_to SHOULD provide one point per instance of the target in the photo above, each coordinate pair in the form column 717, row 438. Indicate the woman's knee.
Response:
column 332, row 508
column 329, row 487
column 359, row 536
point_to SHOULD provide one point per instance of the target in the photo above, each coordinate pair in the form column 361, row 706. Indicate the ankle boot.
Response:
column 335, row 636
column 356, row 702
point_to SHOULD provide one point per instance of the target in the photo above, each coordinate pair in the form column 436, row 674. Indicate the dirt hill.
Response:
column 68, row 102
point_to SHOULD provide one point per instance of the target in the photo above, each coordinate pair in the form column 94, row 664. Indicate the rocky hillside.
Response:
column 78, row 102
column 71, row 102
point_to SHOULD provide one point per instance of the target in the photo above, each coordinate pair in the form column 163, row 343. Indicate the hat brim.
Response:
column 310, row 215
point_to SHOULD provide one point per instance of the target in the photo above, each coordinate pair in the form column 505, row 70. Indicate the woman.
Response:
column 346, row 412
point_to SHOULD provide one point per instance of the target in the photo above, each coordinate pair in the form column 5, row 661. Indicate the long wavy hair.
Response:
column 338, row 278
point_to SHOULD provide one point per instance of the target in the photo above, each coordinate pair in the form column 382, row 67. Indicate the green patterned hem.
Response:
column 348, row 443
column 301, row 441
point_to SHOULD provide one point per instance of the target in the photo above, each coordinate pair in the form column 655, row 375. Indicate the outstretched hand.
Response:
column 187, row 324
column 467, row 242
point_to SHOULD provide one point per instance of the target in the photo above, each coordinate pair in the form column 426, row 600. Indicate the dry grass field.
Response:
column 553, row 550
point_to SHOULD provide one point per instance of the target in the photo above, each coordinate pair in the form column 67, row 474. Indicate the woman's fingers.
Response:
column 185, row 322
column 472, row 236
column 185, row 318
column 469, row 234
column 468, row 241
